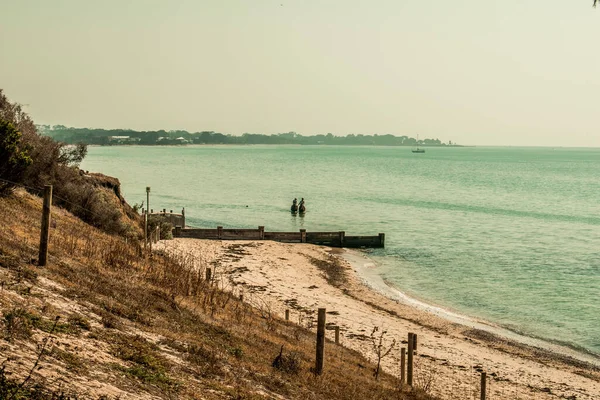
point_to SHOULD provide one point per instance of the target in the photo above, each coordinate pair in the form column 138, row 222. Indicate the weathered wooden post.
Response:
column 403, row 366
column 337, row 335
column 157, row 233
column 219, row 232
column 320, row 342
column 409, row 366
column 287, row 315
column 208, row 274
column 146, row 215
column 342, row 234
column 183, row 217
column 261, row 232
column 302, row 235
column 382, row 240
column 45, row 232
column 483, row 385
column 414, row 342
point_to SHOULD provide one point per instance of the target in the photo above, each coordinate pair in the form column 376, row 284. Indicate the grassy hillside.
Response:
column 104, row 320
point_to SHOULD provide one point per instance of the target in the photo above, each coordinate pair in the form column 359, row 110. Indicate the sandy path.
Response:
column 279, row 276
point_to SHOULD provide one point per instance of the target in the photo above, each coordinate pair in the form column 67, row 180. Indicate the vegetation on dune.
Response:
column 150, row 325
column 30, row 160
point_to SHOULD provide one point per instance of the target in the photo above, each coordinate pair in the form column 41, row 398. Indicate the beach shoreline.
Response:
column 365, row 267
column 277, row 277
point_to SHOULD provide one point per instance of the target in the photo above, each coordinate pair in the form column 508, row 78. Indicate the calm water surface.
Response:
column 510, row 235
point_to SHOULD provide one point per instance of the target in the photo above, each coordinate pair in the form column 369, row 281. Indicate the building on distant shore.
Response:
column 123, row 139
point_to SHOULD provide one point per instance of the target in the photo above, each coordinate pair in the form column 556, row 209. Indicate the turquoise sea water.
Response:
column 508, row 235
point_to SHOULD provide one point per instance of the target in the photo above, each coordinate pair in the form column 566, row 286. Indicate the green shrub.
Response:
column 14, row 157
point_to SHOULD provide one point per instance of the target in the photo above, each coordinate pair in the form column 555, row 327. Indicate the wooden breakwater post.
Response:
column 337, row 335
column 483, row 385
column 208, row 274
column 320, row 342
column 287, row 315
column 409, row 366
column 45, row 231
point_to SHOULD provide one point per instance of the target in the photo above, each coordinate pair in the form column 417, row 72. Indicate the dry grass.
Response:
column 152, row 326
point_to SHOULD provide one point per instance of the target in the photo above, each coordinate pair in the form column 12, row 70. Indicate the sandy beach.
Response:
column 451, row 352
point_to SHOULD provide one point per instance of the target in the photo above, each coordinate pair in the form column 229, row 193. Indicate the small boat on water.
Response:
column 417, row 149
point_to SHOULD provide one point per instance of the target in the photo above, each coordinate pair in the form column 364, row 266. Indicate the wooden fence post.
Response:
column 402, row 366
column 337, row 335
column 287, row 315
column 145, row 229
column 483, row 385
column 208, row 274
column 409, row 366
column 414, row 343
column 45, row 232
column 320, row 342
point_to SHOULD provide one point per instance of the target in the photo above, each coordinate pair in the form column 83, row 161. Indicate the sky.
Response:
column 474, row 72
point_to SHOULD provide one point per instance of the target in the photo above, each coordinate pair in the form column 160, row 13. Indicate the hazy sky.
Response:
column 482, row 72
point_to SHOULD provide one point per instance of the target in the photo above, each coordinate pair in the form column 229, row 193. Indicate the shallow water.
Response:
column 509, row 235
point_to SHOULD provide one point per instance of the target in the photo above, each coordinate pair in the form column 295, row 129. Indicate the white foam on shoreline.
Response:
column 367, row 270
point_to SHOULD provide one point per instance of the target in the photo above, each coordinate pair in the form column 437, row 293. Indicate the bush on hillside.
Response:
column 33, row 161
column 166, row 228
column 14, row 157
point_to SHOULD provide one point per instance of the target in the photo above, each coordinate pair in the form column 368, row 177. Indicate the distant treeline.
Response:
column 128, row 137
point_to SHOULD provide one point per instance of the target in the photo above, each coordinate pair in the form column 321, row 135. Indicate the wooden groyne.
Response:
column 332, row 239
column 174, row 219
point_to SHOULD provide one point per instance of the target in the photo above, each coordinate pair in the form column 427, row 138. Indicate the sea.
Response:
column 505, row 235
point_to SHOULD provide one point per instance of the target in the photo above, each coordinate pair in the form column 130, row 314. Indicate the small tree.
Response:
column 14, row 157
column 379, row 349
